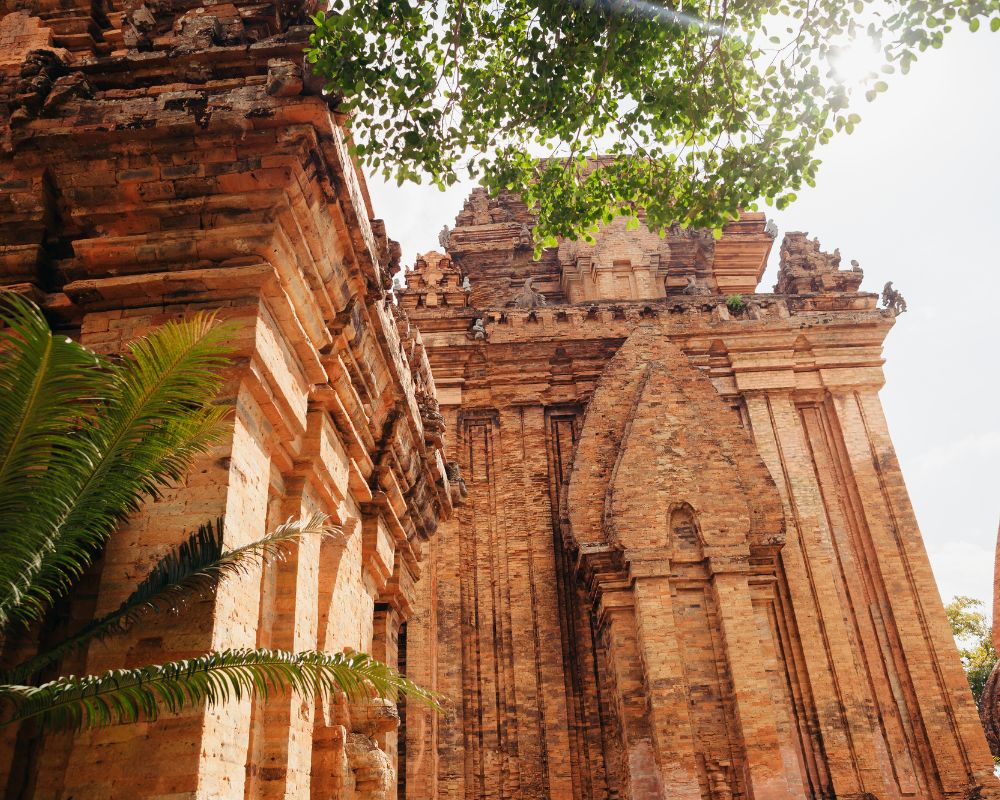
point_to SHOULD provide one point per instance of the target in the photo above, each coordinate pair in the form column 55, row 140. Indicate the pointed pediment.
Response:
column 656, row 436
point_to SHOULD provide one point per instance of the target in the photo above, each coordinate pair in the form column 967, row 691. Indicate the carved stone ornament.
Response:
column 528, row 297
column 459, row 491
column 444, row 237
column 478, row 331
column 695, row 287
column 892, row 300
column 433, row 421
column 524, row 236
column 805, row 268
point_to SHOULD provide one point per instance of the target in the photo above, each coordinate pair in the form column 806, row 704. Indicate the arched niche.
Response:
column 686, row 540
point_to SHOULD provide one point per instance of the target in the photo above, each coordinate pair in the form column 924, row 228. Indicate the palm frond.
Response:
column 193, row 568
column 130, row 695
column 48, row 384
column 153, row 418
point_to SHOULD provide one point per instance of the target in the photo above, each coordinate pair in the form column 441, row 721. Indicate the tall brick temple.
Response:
column 687, row 566
column 681, row 563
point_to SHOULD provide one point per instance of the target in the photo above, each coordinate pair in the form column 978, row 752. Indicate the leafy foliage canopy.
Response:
column 703, row 107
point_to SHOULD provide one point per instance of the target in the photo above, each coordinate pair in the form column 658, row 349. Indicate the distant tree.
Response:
column 708, row 105
column 84, row 439
column 971, row 628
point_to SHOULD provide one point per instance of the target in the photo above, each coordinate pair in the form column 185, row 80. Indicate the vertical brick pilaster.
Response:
column 937, row 690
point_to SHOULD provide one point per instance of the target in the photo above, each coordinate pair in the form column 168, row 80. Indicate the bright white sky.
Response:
column 914, row 195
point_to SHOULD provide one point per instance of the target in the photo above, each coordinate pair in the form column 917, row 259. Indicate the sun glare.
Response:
column 857, row 62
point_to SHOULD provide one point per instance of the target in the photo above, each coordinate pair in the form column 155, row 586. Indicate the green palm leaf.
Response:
column 129, row 695
column 153, row 417
column 194, row 567
column 48, row 384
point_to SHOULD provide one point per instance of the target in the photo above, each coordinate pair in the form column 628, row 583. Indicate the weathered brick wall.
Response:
column 158, row 160
column 688, row 566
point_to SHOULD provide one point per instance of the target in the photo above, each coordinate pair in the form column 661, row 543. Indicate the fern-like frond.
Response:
column 129, row 695
column 193, row 568
column 48, row 385
column 154, row 416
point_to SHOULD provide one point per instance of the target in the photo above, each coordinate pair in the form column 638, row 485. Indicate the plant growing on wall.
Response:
column 707, row 106
column 735, row 303
column 84, row 439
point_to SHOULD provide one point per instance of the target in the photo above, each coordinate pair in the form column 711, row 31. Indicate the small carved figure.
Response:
column 459, row 491
column 893, row 300
column 466, row 284
column 524, row 236
column 529, row 298
column 444, row 237
column 478, row 331
column 771, row 229
column 695, row 287
column 855, row 266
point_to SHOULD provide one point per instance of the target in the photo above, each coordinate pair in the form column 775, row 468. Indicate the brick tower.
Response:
column 687, row 566
column 167, row 157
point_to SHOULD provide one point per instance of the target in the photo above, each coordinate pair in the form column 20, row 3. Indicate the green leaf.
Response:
column 131, row 695
column 48, row 386
column 193, row 568
column 135, row 431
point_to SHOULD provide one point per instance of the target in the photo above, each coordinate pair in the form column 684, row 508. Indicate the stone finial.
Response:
column 466, row 284
column 892, row 300
column 444, row 237
column 771, row 229
column 528, row 297
column 805, row 268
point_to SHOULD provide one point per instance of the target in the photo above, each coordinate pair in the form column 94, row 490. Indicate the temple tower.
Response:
column 687, row 566
column 162, row 158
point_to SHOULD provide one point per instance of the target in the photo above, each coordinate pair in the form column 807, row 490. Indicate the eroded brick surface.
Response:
column 687, row 566
column 164, row 158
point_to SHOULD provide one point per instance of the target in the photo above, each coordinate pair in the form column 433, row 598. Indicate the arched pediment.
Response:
column 657, row 437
